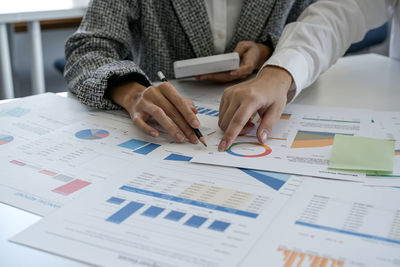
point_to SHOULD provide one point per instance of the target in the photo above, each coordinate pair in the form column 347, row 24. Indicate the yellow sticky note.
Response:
column 356, row 153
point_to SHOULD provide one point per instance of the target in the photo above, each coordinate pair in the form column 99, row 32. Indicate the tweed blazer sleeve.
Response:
column 96, row 52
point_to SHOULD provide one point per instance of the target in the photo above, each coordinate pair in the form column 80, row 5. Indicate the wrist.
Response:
column 265, row 53
column 282, row 78
column 127, row 94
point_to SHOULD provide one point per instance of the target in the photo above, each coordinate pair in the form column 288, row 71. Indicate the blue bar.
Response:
column 147, row 149
column 199, row 108
column 115, row 200
column 125, row 212
column 174, row 215
column 189, row 201
column 212, row 112
column 219, row 226
column 153, row 212
column 195, row 221
column 204, row 111
column 216, row 115
column 133, row 144
column 331, row 229
column 177, row 157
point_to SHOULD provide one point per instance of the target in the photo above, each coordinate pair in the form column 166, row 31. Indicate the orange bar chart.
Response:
column 309, row 139
column 292, row 258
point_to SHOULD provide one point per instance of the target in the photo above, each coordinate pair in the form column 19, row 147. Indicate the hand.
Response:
column 164, row 104
column 252, row 57
column 266, row 94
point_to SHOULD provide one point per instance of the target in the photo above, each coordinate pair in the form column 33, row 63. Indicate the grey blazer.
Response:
column 154, row 34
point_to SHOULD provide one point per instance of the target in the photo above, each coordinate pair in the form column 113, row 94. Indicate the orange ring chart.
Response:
column 266, row 150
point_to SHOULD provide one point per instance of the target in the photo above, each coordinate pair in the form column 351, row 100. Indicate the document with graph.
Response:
column 41, row 175
column 28, row 118
column 300, row 143
column 336, row 224
column 387, row 126
column 169, row 213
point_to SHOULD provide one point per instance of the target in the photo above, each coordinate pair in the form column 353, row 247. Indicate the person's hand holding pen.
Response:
column 176, row 114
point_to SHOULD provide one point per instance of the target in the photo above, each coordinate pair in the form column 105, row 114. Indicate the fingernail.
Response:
column 153, row 133
column 233, row 73
column 179, row 137
column 222, row 145
column 264, row 136
column 195, row 124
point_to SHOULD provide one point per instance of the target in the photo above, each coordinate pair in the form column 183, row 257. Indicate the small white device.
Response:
column 205, row 65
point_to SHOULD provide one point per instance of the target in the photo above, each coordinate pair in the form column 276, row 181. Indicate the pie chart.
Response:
column 249, row 150
column 92, row 134
column 5, row 139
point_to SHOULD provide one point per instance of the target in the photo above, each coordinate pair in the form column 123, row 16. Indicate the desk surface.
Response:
column 368, row 81
column 28, row 10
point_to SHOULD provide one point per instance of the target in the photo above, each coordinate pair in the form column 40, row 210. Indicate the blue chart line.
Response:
column 139, row 146
column 207, row 111
column 189, row 201
column 272, row 179
column 331, row 229
column 177, row 157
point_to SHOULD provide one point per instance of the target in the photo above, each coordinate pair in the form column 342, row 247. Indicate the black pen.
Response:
column 199, row 135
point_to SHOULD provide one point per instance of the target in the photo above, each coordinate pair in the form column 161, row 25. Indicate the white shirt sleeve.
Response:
column 322, row 34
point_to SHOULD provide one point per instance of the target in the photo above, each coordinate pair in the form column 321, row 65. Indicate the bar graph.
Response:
column 302, row 259
column 71, row 187
column 207, row 111
column 139, row 146
column 174, row 215
column 195, row 221
column 153, row 212
column 122, row 214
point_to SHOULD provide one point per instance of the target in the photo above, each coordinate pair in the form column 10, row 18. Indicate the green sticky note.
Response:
column 356, row 153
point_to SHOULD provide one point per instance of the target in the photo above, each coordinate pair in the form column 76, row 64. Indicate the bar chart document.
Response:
column 170, row 214
column 43, row 174
column 300, row 143
column 334, row 224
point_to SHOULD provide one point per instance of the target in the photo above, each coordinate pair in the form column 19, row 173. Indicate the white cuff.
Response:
column 296, row 64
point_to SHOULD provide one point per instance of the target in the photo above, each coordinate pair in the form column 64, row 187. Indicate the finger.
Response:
column 228, row 115
column 172, row 112
column 269, row 119
column 239, row 120
column 139, row 122
column 242, row 47
column 244, row 70
column 223, row 106
column 218, row 77
column 159, row 115
column 180, row 103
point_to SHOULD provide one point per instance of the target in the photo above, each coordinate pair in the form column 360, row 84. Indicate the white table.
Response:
column 32, row 12
column 369, row 81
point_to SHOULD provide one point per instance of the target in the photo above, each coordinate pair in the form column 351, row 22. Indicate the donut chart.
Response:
column 242, row 149
column 5, row 139
column 92, row 134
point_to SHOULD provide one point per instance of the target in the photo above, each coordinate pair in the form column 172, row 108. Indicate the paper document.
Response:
column 334, row 224
column 169, row 214
column 300, row 143
column 30, row 117
column 387, row 127
column 41, row 175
